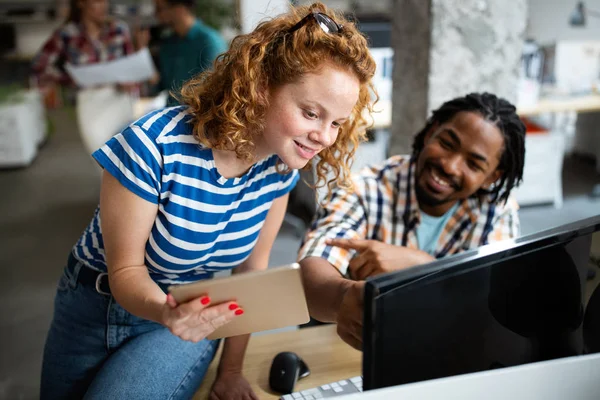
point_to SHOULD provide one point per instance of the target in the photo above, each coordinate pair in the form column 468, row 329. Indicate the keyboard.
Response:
column 334, row 389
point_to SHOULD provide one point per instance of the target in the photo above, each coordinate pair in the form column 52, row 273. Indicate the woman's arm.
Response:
column 234, row 349
column 126, row 221
column 47, row 66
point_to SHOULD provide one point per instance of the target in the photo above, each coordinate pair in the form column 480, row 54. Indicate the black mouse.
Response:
column 286, row 369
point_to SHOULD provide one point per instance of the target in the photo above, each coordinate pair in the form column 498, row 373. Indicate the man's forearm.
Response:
column 232, row 358
column 324, row 287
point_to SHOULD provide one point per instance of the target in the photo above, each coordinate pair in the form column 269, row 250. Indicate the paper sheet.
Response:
column 136, row 67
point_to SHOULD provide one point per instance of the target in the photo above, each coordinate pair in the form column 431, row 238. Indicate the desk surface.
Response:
column 327, row 356
column 579, row 104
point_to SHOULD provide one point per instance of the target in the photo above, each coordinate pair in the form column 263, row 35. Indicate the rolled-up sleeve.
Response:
column 342, row 216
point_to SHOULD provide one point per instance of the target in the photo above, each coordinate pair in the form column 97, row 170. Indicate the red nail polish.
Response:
column 233, row 306
column 239, row 312
column 205, row 300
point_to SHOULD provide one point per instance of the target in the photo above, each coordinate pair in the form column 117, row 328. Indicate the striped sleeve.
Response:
column 506, row 223
column 342, row 216
column 134, row 158
column 287, row 183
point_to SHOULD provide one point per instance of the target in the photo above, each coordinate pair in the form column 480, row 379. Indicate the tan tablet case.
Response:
column 271, row 299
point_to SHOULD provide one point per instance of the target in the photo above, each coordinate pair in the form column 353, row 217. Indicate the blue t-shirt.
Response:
column 205, row 222
column 182, row 58
column 430, row 228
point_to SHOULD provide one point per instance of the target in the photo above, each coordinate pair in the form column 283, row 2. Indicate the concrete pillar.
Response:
column 447, row 48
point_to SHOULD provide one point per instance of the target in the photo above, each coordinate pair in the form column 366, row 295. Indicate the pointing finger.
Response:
column 349, row 244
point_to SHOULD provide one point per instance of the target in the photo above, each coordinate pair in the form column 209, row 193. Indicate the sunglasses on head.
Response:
column 325, row 22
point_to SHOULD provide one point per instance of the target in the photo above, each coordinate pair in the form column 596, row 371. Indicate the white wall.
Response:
column 346, row 5
column 32, row 35
column 254, row 11
column 549, row 21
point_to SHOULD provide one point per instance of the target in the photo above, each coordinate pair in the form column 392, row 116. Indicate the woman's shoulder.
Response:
column 69, row 28
column 72, row 28
column 167, row 124
column 118, row 26
column 272, row 167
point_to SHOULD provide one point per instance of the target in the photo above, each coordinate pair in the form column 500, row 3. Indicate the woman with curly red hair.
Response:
column 192, row 190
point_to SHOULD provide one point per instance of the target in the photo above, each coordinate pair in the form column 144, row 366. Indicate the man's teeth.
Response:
column 439, row 180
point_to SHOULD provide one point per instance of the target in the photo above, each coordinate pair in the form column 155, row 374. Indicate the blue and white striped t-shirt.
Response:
column 205, row 222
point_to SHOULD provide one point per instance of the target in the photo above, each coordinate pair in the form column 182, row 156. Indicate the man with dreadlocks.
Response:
column 452, row 194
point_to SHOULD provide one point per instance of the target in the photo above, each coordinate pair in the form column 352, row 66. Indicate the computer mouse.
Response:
column 286, row 369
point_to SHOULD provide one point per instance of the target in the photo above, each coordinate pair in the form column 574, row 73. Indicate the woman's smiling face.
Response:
column 304, row 117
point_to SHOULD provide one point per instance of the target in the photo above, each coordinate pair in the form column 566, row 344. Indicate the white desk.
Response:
column 580, row 104
column 567, row 378
column 557, row 107
column 590, row 103
column 330, row 360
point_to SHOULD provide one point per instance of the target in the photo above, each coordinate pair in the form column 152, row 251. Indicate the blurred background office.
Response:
column 543, row 55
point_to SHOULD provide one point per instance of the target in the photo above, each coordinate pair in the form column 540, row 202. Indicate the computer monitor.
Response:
column 510, row 303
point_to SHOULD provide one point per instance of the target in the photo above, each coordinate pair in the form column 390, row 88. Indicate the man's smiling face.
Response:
column 458, row 158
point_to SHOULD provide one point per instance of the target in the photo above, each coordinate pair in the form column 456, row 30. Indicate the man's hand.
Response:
column 375, row 257
column 350, row 315
column 231, row 385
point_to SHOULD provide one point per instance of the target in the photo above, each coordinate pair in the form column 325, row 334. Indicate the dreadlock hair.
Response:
column 502, row 114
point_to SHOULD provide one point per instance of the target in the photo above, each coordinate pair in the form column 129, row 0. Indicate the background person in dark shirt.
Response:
column 190, row 47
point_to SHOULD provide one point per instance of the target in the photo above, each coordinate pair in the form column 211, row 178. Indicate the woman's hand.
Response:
column 195, row 320
column 129, row 87
column 231, row 385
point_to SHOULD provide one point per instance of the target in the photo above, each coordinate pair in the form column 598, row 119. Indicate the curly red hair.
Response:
column 229, row 102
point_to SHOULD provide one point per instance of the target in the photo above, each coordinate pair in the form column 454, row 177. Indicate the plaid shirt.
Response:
column 71, row 44
column 383, row 206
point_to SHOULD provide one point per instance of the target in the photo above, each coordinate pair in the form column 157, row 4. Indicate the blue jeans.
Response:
column 97, row 350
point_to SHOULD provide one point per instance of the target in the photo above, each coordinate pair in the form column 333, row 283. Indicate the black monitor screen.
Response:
column 502, row 305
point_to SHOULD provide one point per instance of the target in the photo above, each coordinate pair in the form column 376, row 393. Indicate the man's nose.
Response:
column 452, row 165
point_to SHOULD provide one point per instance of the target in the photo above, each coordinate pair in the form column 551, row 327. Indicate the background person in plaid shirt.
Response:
column 88, row 36
column 452, row 194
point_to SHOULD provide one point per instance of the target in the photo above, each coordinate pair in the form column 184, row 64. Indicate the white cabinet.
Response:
column 542, row 175
column 22, row 129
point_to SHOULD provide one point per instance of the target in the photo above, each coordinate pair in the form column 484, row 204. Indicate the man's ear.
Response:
column 494, row 177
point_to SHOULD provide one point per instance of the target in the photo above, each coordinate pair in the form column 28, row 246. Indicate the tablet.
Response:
column 271, row 299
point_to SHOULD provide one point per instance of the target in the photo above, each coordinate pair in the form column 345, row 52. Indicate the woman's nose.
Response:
column 323, row 137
